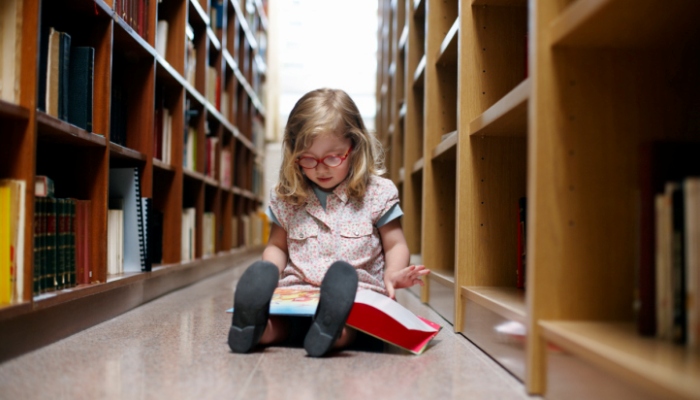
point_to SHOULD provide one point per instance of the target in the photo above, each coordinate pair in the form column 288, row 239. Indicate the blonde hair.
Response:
column 327, row 111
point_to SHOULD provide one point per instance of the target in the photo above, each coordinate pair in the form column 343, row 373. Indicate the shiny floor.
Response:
column 175, row 348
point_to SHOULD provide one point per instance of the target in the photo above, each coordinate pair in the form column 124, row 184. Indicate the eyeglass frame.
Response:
column 323, row 160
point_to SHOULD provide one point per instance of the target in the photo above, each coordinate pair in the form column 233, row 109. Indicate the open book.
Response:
column 373, row 313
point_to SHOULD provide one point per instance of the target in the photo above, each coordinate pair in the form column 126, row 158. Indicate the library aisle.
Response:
column 175, row 347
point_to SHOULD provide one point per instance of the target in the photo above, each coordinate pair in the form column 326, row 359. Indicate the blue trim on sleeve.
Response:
column 393, row 213
column 272, row 217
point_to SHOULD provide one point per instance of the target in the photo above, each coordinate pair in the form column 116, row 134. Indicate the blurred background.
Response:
column 314, row 44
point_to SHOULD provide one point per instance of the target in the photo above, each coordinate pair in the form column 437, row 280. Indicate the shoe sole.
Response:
column 252, row 306
column 338, row 291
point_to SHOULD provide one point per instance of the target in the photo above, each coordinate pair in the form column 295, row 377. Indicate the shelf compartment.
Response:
column 613, row 23
column 494, row 320
column 52, row 129
column 508, row 302
column 652, row 365
column 507, row 117
column 441, row 293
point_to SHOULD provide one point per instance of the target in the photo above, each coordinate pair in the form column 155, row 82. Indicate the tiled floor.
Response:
column 175, row 347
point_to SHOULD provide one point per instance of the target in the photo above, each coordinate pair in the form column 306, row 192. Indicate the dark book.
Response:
column 522, row 242
column 64, row 76
column 61, row 243
column 678, row 265
column 660, row 162
column 38, row 255
column 51, row 244
column 155, row 235
column 81, row 87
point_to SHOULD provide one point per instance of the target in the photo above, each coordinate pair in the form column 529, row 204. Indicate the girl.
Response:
column 330, row 205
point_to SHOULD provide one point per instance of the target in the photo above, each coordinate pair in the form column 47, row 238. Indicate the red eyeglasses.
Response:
column 330, row 160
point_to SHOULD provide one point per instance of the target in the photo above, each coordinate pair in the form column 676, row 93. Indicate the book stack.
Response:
column 135, row 13
column 669, row 270
column 67, row 74
column 62, row 239
column 12, row 200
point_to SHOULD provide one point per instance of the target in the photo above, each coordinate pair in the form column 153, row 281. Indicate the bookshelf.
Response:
column 212, row 89
column 548, row 100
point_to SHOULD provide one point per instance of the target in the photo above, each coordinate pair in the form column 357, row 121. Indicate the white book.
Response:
column 162, row 37
column 692, row 259
column 167, row 135
column 115, row 241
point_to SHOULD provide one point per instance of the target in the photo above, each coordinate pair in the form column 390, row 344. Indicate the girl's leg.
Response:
column 338, row 291
column 251, row 306
column 347, row 336
column 277, row 330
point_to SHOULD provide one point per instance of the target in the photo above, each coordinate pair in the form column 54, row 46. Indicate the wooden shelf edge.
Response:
column 14, row 111
column 403, row 39
column 444, row 146
column 573, row 17
column 504, row 301
column 163, row 166
column 418, row 74
column 444, row 278
column 64, row 131
column 119, row 151
column 448, row 48
column 244, row 25
column 418, row 166
column 500, row 3
column 661, row 367
column 507, row 116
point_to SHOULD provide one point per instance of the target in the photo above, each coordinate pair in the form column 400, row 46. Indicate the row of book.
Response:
column 135, row 13
column 61, row 239
column 66, row 79
column 668, row 301
column 677, row 262
column 162, row 139
column 134, row 227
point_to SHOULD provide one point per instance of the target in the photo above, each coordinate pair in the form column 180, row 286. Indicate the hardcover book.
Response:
column 373, row 313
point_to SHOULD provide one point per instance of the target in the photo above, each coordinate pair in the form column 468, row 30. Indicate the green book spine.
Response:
column 36, row 275
column 51, row 228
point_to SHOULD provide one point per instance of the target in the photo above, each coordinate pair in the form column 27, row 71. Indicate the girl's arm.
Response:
column 397, row 273
column 276, row 250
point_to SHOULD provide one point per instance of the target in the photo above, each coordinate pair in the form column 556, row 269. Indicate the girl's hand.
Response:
column 404, row 278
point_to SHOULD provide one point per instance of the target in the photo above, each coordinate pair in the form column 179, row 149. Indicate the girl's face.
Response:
column 326, row 177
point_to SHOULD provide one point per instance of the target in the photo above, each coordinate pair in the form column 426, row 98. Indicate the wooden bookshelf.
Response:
column 548, row 100
column 230, row 55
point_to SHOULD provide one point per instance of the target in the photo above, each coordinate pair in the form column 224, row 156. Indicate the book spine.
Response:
column 5, row 244
column 72, row 267
column 64, row 77
column 37, row 270
column 51, row 243
column 679, row 315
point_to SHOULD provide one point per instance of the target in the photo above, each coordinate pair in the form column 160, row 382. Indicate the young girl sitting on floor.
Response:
column 335, row 226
